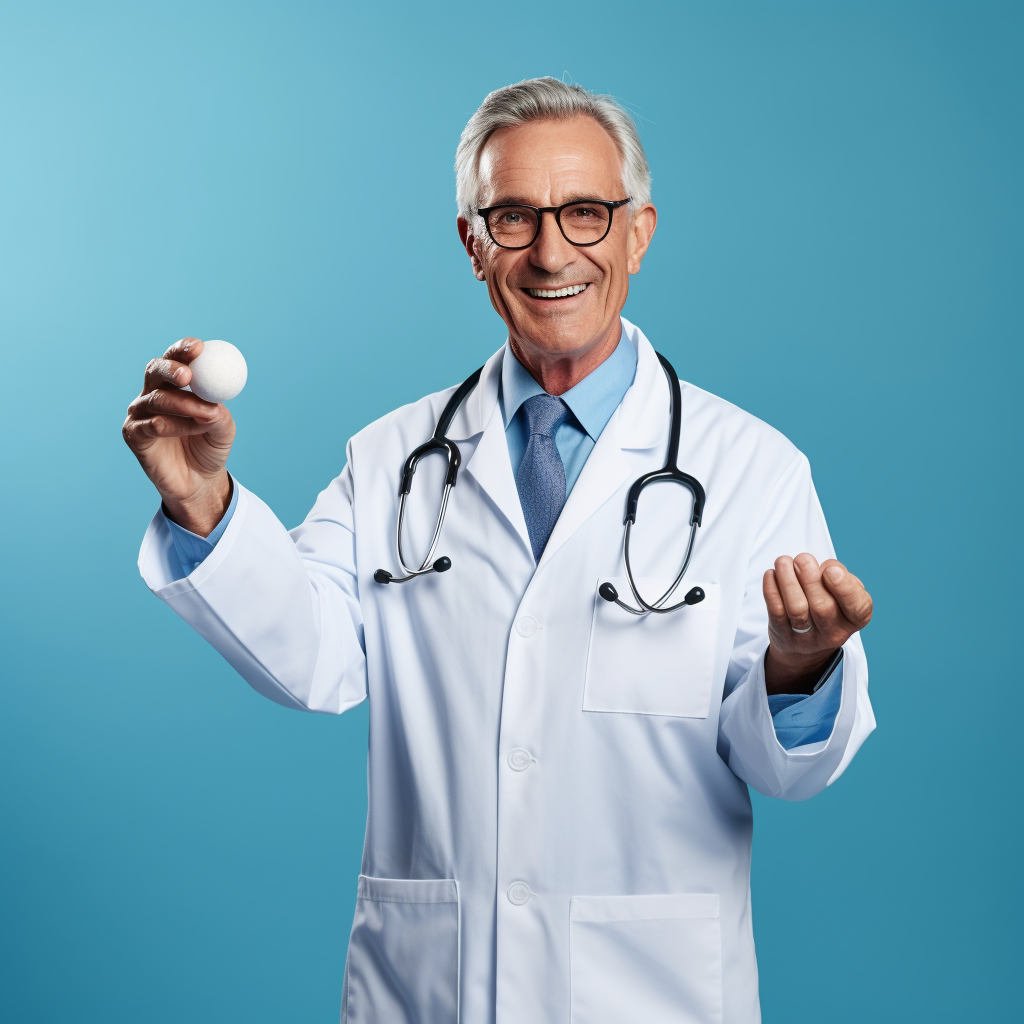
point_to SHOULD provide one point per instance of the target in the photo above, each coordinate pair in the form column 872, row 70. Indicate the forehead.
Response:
column 545, row 163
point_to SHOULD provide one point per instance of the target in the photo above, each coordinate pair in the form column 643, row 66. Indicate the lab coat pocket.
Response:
column 656, row 959
column 652, row 664
column 403, row 956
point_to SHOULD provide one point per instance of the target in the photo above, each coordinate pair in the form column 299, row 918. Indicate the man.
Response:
column 559, row 824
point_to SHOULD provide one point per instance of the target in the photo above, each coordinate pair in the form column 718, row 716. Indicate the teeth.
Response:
column 558, row 293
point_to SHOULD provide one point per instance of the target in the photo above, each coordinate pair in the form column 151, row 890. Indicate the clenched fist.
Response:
column 812, row 611
column 181, row 441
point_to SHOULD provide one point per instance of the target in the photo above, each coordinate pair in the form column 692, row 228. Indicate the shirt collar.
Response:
column 592, row 401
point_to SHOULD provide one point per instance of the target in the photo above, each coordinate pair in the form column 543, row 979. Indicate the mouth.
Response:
column 556, row 293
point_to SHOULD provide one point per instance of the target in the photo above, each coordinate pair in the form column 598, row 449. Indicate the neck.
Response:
column 557, row 372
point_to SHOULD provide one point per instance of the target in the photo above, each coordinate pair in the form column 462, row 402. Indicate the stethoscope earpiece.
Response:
column 693, row 596
column 443, row 564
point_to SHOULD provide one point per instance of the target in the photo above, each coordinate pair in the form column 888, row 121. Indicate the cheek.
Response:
column 499, row 272
column 502, row 294
column 614, row 280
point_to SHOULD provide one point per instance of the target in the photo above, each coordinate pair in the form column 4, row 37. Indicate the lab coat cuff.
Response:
column 200, row 599
column 160, row 563
column 750, row 746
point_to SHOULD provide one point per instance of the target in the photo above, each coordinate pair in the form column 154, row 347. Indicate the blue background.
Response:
column 839, row 252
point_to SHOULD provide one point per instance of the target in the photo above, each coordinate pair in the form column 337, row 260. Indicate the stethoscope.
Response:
column 440, row 442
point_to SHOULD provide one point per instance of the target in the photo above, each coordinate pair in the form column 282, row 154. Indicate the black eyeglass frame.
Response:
column 610, row 205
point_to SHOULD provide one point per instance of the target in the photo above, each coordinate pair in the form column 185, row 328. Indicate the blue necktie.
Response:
column 541, row 477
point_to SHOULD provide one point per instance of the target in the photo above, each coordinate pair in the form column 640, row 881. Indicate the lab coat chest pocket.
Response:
column 403, row 957
column 653, row 664
column 656, row 959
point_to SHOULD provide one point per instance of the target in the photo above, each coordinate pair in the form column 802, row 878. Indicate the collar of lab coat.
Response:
column 640, row 422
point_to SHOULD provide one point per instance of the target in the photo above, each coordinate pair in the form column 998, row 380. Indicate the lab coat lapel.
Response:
column 489, row 463
column 640, row 422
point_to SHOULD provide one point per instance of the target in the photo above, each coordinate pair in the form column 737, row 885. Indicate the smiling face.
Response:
column 561, row 302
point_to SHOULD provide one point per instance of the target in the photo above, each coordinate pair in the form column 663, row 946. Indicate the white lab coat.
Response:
column 559, row 825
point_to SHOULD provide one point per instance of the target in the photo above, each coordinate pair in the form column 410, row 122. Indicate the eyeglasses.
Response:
column 585, row 222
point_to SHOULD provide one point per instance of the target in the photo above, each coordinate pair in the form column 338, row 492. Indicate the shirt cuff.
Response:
column 801, row 718
column 192, row 549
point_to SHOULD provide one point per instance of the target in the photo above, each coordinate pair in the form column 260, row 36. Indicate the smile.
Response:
column 557, row 293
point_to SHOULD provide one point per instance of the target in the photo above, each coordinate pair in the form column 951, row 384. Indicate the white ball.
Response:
column 218, row 372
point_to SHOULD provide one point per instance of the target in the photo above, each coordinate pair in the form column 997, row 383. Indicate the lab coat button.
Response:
column 527, row 626
column 519, row 759
column 519, row 893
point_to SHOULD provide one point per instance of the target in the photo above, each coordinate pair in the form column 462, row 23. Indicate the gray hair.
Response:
column 547, row 98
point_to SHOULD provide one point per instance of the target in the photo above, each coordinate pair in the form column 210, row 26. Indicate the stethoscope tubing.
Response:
column 670, row 471
column 658, row 606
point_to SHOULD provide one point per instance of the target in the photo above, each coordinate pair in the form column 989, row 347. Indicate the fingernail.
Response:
column 178, row 374
column 834, row 574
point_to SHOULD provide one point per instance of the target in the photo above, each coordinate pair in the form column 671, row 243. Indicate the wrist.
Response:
column 793, row 673
column 201, row 511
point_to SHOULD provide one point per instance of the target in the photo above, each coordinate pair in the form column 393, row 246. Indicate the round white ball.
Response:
column 218, row 372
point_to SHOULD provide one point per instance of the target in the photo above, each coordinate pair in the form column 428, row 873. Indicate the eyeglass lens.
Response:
column 517, row 226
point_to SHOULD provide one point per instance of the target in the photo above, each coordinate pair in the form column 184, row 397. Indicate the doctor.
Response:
column 559, row 823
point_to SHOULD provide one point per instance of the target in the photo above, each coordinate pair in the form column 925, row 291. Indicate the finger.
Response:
column 171, row 370
column 185, row 350
column 820, row 602
column 773, row 599
column 164, row 373
column 174, row 403
column 793, row 596
column 854, row 601
column 139, row 431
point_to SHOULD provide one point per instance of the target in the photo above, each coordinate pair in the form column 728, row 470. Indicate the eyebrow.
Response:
column 577, row 197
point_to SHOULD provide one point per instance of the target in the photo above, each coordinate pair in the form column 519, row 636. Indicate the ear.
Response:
column 471, row 243
column 641, row 231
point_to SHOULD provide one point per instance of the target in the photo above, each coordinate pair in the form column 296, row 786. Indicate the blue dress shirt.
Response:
column 798, row 718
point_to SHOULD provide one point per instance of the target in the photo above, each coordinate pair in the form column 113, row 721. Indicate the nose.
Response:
column 550, row 251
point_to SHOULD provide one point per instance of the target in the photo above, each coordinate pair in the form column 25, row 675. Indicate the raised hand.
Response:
column 181, row 441
column 812, row 610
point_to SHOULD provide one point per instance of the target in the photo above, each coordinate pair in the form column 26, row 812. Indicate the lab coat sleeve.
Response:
column 282, row 608
column 792, row 522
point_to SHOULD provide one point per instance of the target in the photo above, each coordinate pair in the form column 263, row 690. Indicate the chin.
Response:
column 559, row 334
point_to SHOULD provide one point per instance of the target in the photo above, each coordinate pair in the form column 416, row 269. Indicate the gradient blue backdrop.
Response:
column 839, row 252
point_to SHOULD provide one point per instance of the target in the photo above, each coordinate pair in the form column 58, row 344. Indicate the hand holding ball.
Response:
column 218, row 372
